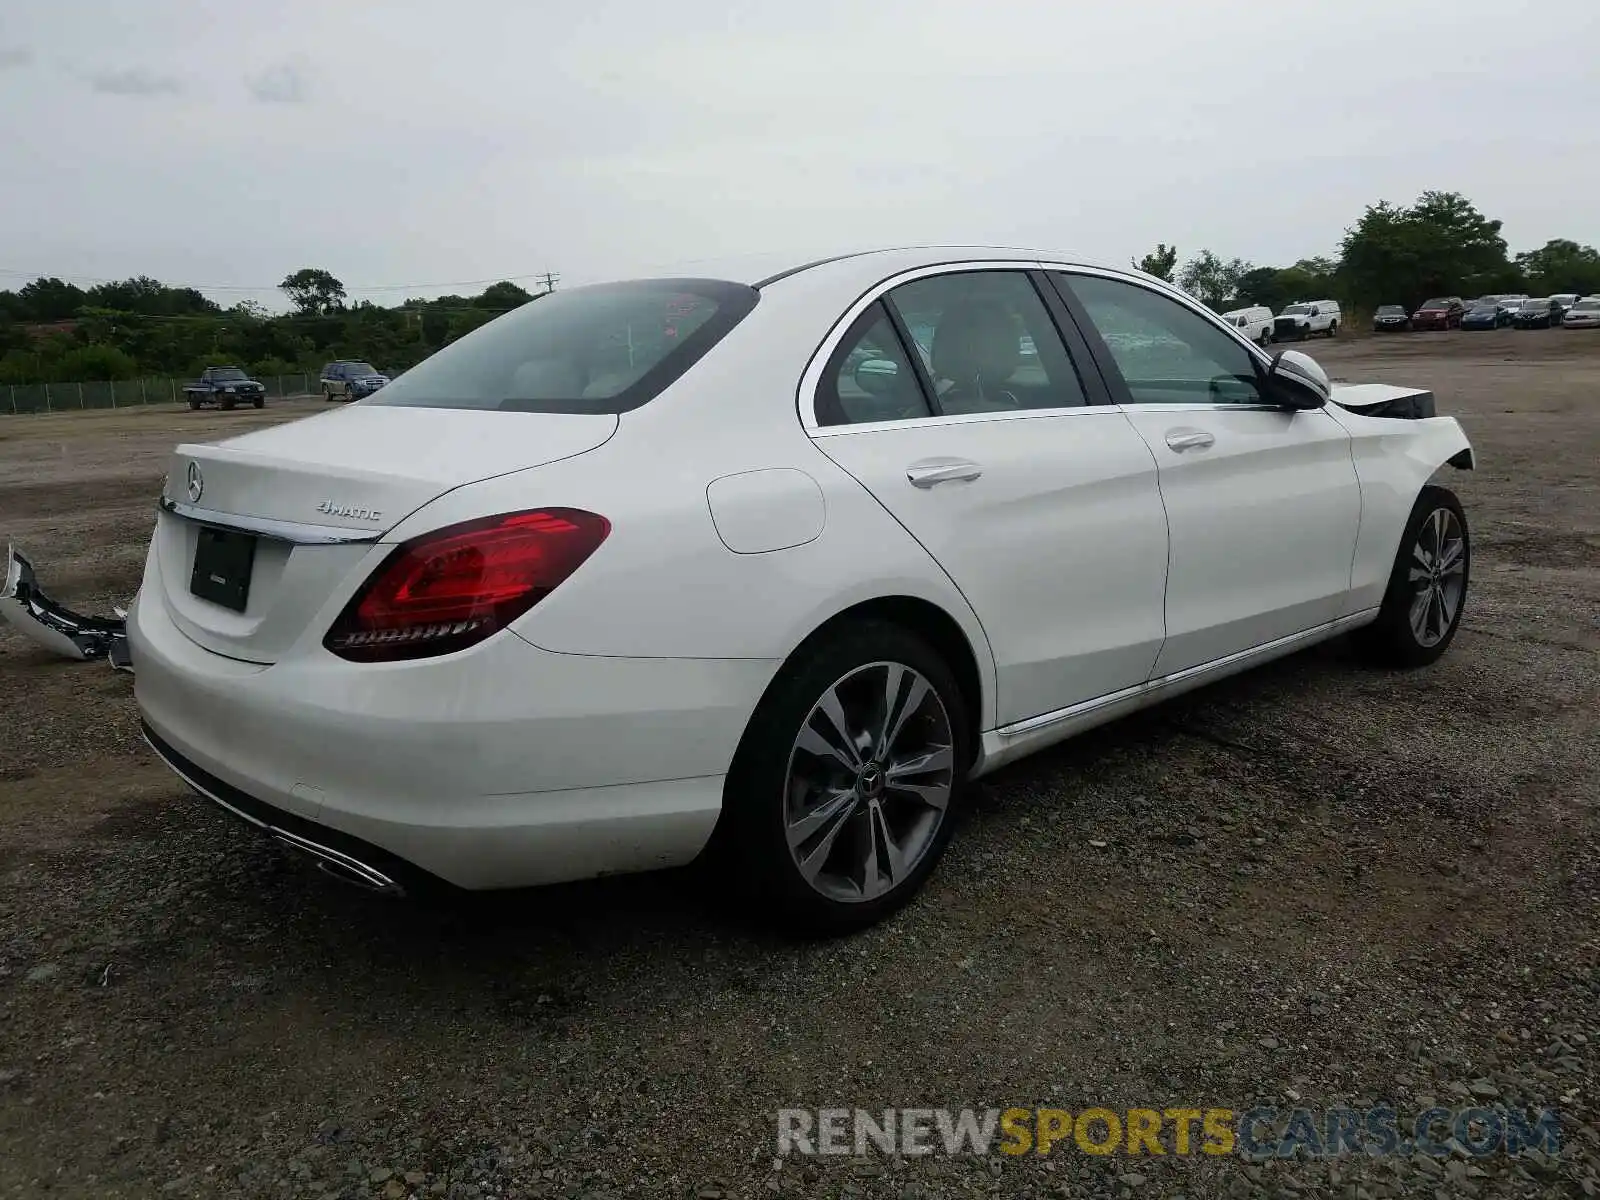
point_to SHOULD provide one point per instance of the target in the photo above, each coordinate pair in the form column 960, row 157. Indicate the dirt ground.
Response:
column 1318, row 883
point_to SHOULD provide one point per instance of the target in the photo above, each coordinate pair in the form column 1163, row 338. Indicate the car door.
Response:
column 1262, row 502
column 955, row 399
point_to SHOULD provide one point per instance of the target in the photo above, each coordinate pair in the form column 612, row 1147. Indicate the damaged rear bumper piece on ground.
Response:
column 57, row 628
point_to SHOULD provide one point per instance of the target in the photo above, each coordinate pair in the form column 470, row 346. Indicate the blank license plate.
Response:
column 222, row 562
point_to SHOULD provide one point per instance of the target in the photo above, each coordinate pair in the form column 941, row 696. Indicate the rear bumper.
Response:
column 502, row 766
column 54, row 626
column 345, row 857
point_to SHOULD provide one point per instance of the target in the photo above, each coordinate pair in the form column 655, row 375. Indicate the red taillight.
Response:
column 449, row 589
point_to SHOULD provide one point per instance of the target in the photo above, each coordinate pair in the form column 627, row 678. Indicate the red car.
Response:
column 1439, row 313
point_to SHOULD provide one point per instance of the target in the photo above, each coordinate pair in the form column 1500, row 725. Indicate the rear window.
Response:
column 606, row 348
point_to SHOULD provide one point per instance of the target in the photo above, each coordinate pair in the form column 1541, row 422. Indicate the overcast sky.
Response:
column 418, row 143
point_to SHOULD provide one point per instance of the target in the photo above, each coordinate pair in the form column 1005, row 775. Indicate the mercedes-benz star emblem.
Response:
column 197, row 485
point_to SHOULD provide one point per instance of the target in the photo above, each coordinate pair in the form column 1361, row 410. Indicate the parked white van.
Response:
column 1255, row 323
column 1306, row 317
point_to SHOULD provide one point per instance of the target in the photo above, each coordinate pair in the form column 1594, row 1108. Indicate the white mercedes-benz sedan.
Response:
column 758, row 573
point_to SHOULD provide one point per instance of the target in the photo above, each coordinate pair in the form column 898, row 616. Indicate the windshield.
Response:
column 1298, row 308
column 225, row 373
column 606, row 348
column 1390, row 309
column 1484, row 305
column 1436, row 303
column 360, row 368
column 1535, row 305
column 1586, row 305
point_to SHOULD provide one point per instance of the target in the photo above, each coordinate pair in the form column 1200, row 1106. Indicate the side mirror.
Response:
column 1298, row 381
column 878, row 376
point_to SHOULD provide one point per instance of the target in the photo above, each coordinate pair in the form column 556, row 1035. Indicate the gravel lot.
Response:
column 1317, row 882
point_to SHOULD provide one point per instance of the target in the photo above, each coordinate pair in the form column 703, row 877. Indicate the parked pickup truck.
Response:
column 225, row 387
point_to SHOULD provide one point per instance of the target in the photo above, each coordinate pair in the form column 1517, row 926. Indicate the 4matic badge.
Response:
column 349, row 510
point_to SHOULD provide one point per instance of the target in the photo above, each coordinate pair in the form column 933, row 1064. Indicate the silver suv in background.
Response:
column 350, row 379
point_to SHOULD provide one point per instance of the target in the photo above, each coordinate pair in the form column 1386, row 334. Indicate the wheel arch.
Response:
column 926, row 620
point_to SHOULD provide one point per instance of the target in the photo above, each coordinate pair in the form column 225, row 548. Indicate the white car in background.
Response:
column 1583, row 314
column 1255, row 323
column 720, row 569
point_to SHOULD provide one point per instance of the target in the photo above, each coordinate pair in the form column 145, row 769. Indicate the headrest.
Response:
column 977, row 343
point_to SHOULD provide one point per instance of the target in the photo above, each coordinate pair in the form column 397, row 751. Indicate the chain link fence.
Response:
column 21, row 398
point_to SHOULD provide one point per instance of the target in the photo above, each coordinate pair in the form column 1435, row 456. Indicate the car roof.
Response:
column 766, row 270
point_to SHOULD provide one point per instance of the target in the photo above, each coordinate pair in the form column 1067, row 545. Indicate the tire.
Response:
column 846, row 797
column 1395, row 638
column 327, row 394
column 194, row 405
column 227, row 406
column 258, row 402
column 1333, row 329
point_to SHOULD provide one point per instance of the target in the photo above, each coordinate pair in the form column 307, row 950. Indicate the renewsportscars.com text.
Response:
column 1256, row 1133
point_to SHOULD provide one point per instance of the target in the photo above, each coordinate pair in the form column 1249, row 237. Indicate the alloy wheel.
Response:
column 1437, row 576
column 869, row 782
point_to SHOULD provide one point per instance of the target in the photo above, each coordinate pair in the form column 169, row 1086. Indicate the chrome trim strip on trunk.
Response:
column 299, row 533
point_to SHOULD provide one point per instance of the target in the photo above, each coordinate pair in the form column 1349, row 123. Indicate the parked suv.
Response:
column 1441, row 312
column 349, row 379
column 1305, row 318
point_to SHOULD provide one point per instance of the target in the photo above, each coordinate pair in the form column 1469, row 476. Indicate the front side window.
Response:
column 606, row 348
column 987, row 343
column 1166, row 352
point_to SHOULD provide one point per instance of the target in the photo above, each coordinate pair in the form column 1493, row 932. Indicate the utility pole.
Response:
column 549, row 280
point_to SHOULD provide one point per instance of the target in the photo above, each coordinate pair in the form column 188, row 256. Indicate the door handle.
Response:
column 942, row 470
column 1189, row 439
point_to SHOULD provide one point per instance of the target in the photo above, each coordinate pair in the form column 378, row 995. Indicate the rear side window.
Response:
column 870, row 378
column 987, row 342
column 607, row 348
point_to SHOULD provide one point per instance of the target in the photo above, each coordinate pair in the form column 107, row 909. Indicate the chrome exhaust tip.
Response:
column 339, row 865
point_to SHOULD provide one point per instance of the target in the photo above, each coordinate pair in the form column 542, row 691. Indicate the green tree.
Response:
column 1211, row 280
column 1159, row 262
column 149, row 297
column 1561, row 265
column 1441, row 245
column 49, row 299
column 313, row 291
column 502, row 296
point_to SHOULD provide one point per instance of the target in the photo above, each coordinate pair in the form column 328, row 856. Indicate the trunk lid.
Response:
column 316, row 495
